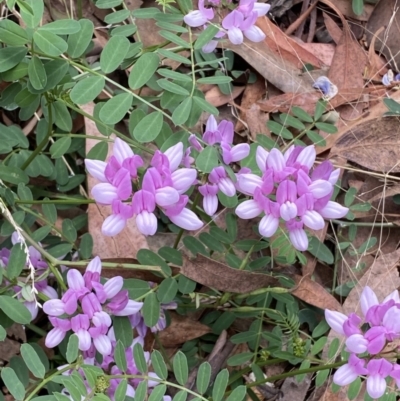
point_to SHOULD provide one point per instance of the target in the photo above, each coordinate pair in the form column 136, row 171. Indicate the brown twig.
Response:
column 313, row 25
column 301, row 20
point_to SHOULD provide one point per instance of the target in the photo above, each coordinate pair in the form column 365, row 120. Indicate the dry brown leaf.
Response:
column 346, row 9
column 284, row 46
column 8, row 349
column 216, row 98
column 324, row 51
column 376, row 66
column 386, row 15
column 333, row 28
column 359, row 145
column 130, row 240
column 293, row 390
column 348, row 64
column 252, row 94
column 257, row 122
column 180, row 330
column 274, row 68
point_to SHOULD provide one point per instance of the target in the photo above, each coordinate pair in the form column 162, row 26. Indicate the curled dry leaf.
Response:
column 275, row 69
column 386, row 14
column 216, row 98
column 127, row 243
column 346, row 9
column 217, row 275
column 181, row 329
column 360, row 145
column 333, row 28
column 285, row 47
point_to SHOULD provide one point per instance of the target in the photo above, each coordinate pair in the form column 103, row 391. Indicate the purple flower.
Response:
column 57, row 334
column 183, row 217
column 231, row 154
column 144, row 204
column 199, row 17
column 328, row 89
column 349, row 372
column 92, row 273
column 378, row 370
column 100, row 340
column 225, row 185
column 80, row 325
column 210, row 199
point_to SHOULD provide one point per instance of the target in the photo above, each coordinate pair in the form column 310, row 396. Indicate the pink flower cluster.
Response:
column 163, row 186
column 86, row 309
column 301, row 193
column 383, row 326
column 238, row 22
column 220, row 135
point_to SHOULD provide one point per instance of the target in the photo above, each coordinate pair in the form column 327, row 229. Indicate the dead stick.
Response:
column 300, row 20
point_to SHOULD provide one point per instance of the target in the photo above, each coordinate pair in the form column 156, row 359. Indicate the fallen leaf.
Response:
column 324, row 51
column 257, row 122
column 386, row 15
column 286, row 47
column 359, row 145
column 127, row 243
column 376, row 67
column 333, row 28
column 348, row 64
column 346, row 9
column 180, row 330
column 216, row 98
column 275, row 69
column 293, row 390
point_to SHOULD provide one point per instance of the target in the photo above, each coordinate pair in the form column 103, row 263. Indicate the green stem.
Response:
column 296, row 372
column 58, row 201
column 36, row 329
column 44, row 142
column 48, row 379
column 79, row 7
column 84, row 263
column 364, row 224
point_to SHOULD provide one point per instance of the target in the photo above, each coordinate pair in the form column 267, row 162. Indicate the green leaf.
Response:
column 205, row 37
column 147, row 257
column 167, row 290
column 158, row 393
column 98, row 152
column 174, row 38
column 186, row 285
column 60, row 250
column 136, row 288
column 114, row 53
column 301, row 114
column 148, row 128
column 219, row 388
column 171, row 27
column 279, row 129
column 320, row 250
column 25, row 98
column 37, row 73
column 182, row 112
column 207, row 159
column 171, row 255
column 355, row 386
column 124, row 30
column 203, row 377
column 114, row 110
column 16, row 262
column 117, row 16
column 173, row 56
column 181, row 396
column 120, row 356
column 87, row 89
column 50, row 211
column 172, row 87
column 32, row 360
column 320, row 108
column 151, row 310
column 79, row 42
column 62, row 117
column 16, row 73
column 49, row 43
column 72, row 348
column 11, row 56
column 333, row 348
column 145, row 13
column 13, row 175
column 123, row 330
column 158, row 364
column 62, row 27
column 358, row 7
column 12, row 383
column 240, row 359
column 328, row 128
column 108, row 3
column 31, row 11
column 318, row 345
column 350, row 196
column 60, row 147
column 321, row 377
column 12, row 34
column 143, row 70
column 141, row 391
column 291, row 121
column 177, row 76
column 120, row 392
column 316, row 138
column 3, row 333
column 140, row 360
column 237, row 394
column 55, row 71
column 217, row 79
column 205, row 106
